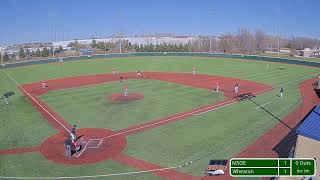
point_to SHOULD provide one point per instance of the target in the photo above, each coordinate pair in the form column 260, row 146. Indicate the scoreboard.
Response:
column 272, row 167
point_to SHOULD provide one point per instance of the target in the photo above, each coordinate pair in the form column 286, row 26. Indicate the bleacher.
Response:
column 310, row 128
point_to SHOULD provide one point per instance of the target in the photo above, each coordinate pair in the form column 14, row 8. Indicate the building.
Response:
column 133, row 40
column 307, row 52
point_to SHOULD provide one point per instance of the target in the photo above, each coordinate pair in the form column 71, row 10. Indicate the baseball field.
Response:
column 178, row 123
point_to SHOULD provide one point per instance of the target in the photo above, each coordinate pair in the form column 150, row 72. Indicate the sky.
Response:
column 30, row 20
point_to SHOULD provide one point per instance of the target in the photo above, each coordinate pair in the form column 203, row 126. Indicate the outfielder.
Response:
column 281, row 93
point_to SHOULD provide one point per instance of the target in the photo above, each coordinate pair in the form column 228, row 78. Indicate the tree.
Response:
column 60, row 49
column 45, row 52
column 93, row 43
column 38, row 53
column 28, row 53
column 6, row 57
column 226, row 43
column 22, row 54
column 101, row 46
column 71, row 44
column 76, row 45
column 260, row 40
column 180, row 48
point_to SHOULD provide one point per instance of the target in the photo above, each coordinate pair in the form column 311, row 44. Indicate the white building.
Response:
column 133, row 40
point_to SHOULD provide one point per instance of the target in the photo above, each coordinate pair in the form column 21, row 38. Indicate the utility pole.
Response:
column 52, row 15
column 120, row 13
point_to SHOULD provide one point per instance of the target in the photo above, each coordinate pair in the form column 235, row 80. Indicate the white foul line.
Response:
column 36, row 101
column 225, row 104
column 94, row 176
column 232, row 101
column 260, row 106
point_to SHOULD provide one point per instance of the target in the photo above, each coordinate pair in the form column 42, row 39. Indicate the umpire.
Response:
column 67, row 145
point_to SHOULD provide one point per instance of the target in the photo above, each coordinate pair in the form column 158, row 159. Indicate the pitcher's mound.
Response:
column 131, row 97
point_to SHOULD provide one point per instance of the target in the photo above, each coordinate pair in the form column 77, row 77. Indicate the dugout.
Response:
column 308, row 141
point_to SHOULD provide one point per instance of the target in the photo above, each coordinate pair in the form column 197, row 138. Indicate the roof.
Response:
column 311, row 126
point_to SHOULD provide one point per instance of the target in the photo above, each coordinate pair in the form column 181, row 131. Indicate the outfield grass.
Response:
column 89, row 107
column 34, row 165
column 19, row 120
column 243, row 69
column 224, row 132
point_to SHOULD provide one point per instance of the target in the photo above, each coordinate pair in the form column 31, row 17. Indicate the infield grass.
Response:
column 223, row 132
column 90, row 107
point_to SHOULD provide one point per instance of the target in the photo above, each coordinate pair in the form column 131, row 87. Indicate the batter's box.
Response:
column 94, row 143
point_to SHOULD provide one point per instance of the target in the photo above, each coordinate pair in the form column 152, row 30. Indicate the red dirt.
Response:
column 58, row 125
column 263, row 146
column 199, row 81
column 19, row 150
column 131, row 97
column 53, row 147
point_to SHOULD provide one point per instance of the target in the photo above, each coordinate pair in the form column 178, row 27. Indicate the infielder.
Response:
column 114, row 71
column 194, row 70
column 236, row 88
column 217, row 87
column 281, row 93
column 139, row 74
column 125, row 89
column 44, row 85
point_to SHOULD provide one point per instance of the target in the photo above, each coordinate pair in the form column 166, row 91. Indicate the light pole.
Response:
column 210, row 38
column 1, row 58
column 278, row 40
column 120, row 13
column 105, row 48
column 52, row 15
column 276, row 13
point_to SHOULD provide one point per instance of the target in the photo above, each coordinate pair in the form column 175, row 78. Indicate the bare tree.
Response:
column 226, row 43
column 245, row 41
column 260, row 39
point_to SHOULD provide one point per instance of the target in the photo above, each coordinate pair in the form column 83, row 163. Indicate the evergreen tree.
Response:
column 22, row 54
column 28, row 53
column 38, row 53
column 93, row 43
column 45, row 52
column 76, row 45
